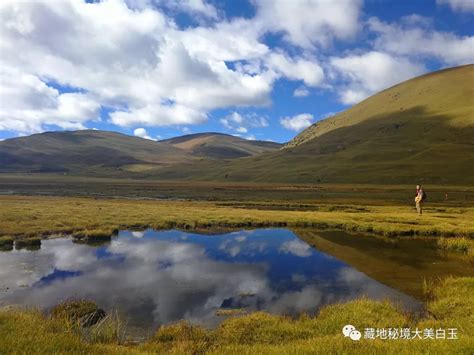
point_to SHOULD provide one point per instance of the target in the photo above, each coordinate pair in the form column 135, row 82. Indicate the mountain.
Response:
column 76, row 150
column 91, row 152
column 421, row 130
column 220, row 146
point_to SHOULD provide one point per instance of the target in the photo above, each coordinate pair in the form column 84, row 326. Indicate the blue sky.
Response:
column 259, row 69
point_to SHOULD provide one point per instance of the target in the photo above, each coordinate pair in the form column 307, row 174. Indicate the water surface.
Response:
column 158, row 277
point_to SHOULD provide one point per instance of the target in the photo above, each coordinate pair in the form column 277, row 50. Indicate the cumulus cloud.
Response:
column 134, row 61
column 311, row 22
column 142, row 133
column 132, row 58
column 458, row 5
column 158, row 115
column 298, row 122
column 308, row 71
column 370, row 72
column 410, row 39
column 28, row 104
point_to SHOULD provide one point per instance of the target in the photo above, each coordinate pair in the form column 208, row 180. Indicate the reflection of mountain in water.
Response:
column 401, row 263
column 160, row 277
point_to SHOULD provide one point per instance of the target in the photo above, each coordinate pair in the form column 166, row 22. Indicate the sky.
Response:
column 259, row 69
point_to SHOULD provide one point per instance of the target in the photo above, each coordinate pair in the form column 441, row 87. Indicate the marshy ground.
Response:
column 32, row 208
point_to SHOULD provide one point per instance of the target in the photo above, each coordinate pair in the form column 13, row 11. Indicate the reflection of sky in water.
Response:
column 160, row 277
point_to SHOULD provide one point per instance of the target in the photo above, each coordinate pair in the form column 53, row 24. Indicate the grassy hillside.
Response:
column 76, row 150
column 90, row 152
column 220, row 146
column 421, row 130
column 446, row 94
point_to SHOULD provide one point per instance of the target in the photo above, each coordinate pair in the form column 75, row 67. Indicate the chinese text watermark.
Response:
column 400, row 333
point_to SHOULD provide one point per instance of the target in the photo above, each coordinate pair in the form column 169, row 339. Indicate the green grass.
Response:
column 260, row 333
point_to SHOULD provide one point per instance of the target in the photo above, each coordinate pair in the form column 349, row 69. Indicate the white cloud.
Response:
column 158, row 115
column 28, row 104
column 134, row 61
column 142, row 133
column 242, row 123
column 309, row 71
column 310, row 22
column 298, row 122
column 139, row 234
column 296, row 247
column 301, row 92
column 412, row 40
column 458, row 5
column 370, row 72
column 199, row 7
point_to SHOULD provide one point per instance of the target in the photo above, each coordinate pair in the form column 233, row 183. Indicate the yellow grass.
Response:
column 32, row 216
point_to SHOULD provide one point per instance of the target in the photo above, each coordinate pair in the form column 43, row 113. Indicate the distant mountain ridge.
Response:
column 220, row 145
column 94, row 151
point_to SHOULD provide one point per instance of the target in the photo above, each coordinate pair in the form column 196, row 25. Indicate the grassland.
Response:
column 32, row 216
column 451, row 306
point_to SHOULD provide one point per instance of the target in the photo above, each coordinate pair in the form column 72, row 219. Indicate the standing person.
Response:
column 419, row 197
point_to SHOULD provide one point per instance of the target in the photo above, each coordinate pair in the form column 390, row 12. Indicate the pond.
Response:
column 157, row 277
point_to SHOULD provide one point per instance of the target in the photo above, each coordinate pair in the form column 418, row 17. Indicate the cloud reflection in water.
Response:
column 155, row 278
